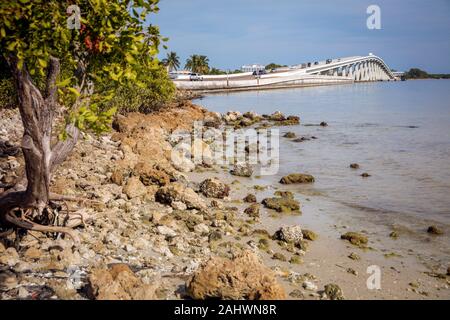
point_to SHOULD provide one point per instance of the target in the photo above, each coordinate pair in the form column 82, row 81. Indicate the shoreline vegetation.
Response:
column 417, row 74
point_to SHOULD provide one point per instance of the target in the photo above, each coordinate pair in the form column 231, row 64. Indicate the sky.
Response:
column 414, row 33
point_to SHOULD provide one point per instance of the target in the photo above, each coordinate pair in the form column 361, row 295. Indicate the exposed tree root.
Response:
column 6, row 233
column 59, row 197
column 23, row 223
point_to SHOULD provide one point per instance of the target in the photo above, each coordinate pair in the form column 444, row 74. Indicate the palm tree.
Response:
column 172, row 61
column 198, row 64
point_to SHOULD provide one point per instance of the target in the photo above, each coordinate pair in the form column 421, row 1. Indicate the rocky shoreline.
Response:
column 155, row 229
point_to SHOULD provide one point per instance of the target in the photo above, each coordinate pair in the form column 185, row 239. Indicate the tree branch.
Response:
column 52, row 74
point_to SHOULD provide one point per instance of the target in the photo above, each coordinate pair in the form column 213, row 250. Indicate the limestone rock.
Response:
column 283, row 204
column 10, row 257
column 333, row 292
column 119, row 283
column 253, row 210
column 435, row 230
column 277, row 116
column 151, row 175
column 214, row 188
column 8, row 280
column 355, row 238
column 134, row 188
column 117, row 177
column 242, row 170
column 291, row 234
column 297, row 178
column 243, row 277
column 178, row 192
column 250, row 198
column 354, row 166
column 309, row 235
column 181, row 160
column 290, row 135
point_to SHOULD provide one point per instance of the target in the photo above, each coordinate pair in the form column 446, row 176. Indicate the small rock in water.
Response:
column 284, row 194
column 393, row 234
column 354, row 166
column 354, row 256
column 352, row 271
column 279, row 256
column 253, row 210
column 308, row 285
column 282, row 204
column 289, row 135
column 214, row 188
column 291, row 234
column 355, row 238
column 309, row 235
column 333, row 292
column 435, row 230
column 250, row 198
column 297, row 178
column 242, row 170
column 277, row 116
column 365, row 175
column 296, row 260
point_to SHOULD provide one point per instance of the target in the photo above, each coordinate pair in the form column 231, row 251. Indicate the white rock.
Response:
column 178, row 205
column 308, row 285
column 166, row 231
column 201, row 228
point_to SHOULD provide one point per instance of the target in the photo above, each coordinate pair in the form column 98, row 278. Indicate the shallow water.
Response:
column 398, row 132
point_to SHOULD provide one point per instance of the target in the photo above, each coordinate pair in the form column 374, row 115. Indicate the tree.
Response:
column 215, row 71
column 62, row 67
column 416, row 73
column 272, row 65
column 198, row 64
column 172, row 61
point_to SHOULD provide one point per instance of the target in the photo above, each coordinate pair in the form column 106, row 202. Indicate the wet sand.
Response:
column 402, row 267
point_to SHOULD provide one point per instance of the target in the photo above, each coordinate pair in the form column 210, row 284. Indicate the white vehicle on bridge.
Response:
column 195, row 77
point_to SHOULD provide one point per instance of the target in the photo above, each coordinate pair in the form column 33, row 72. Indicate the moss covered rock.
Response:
column 333, row 292
column 309, row 235
column 297, row 178
column 355, row 238
column 250, row 198
column 435, row 230
column 282, row 204
column 253, row 210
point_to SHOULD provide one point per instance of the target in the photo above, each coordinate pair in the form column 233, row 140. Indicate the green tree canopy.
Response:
column 198, row 64
column 68, row 57
column 172, row 61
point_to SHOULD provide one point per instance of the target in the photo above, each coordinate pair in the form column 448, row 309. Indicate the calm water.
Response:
column 398, row 132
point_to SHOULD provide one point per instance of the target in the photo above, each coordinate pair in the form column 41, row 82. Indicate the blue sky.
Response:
column 414, row 33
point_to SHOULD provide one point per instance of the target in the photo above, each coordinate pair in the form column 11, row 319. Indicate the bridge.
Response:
column 333, row 71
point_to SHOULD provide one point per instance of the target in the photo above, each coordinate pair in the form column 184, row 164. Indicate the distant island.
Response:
column 416, row 73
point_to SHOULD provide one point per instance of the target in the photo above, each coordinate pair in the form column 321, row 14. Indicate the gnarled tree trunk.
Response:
column 31, row 195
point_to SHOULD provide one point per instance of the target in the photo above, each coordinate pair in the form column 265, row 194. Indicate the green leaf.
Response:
column 64, row 83
column 42, row 63
column 74, row 91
